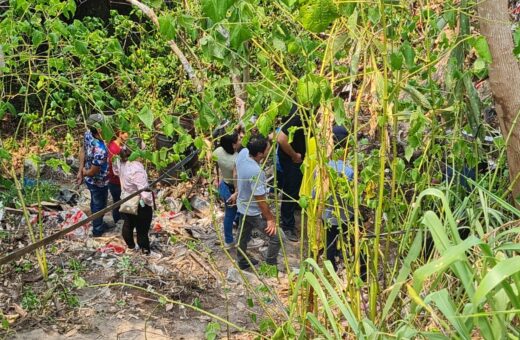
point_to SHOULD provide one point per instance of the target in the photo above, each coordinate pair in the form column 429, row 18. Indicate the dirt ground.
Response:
column 99, row 290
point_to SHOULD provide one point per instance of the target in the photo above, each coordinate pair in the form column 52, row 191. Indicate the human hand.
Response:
column 232, row 200
column 297, row 158
column 79, row 177
column 271, row 228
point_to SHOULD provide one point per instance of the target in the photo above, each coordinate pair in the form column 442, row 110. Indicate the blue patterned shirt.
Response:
column 96, row 153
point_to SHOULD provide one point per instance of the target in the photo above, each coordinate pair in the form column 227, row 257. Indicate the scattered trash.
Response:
column 112, row 248
column 68, row 196
column 71, row 217
column 200, row 204
column 169, row 221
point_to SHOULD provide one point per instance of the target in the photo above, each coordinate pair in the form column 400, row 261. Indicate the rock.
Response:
column 233, row 275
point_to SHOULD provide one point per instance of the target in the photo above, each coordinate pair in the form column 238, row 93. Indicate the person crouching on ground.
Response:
column 93, row 168
column 252, row 202
column 133, row 177
column 226, row 155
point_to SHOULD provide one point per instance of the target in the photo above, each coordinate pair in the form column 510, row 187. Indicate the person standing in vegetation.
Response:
column 133, row 177
column 337, row 214
column 114, row 184
column 291, row 155
column 226, row 155
column 93, row 169
column 252, row 201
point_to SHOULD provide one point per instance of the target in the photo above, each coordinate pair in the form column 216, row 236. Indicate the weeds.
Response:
column 30, row 301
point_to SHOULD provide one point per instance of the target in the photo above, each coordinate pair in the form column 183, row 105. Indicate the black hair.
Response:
column 125, row 153
column 227, row 141
column 94, row 131
column 257, row 144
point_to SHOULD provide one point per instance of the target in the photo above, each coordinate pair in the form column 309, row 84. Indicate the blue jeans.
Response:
column 115, row 192
column 98, row 201
column 225, row 191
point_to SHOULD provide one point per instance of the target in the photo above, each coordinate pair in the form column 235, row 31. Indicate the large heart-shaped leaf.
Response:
column 317, row 15
column 216, row 9
column 167, row 26
column 146, row 116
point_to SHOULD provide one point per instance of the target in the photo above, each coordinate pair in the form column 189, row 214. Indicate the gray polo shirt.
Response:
column 251, row 182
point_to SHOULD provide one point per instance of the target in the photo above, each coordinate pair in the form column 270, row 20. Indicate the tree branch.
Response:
column 173, row 45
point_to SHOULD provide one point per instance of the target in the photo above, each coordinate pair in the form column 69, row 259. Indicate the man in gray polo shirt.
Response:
column 252, row 201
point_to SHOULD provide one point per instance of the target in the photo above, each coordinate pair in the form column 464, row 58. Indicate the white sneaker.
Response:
column 229, row 245
column 255, row 243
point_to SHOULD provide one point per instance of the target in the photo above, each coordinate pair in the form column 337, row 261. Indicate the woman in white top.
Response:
column 133, row 177
column 226, row 155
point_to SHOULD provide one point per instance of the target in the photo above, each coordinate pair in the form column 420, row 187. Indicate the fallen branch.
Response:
column 199, row 86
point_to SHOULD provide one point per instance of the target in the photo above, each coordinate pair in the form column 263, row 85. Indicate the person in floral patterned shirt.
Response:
column 93, row 169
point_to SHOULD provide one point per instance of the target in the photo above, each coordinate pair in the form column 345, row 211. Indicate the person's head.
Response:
column 340, row 135
column 94, row 122
column 230, row 142
column 121, row 136
column 258, row 147
column 133, row 144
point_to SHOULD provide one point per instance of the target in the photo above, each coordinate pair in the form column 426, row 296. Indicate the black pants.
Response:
column 292, row 181
column 141, row 222
column 333, row 237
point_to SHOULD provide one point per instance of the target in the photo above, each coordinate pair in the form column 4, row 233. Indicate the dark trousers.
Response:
column 141, row 222
column 115, row 192
column 292, row 181
column 333, row 238
column 247, row 224
column 98, row 201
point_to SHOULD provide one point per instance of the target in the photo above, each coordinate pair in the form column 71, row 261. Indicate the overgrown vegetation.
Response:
column 430, row 167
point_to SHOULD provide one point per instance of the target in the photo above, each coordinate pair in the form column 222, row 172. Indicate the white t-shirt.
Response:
column 226, row 163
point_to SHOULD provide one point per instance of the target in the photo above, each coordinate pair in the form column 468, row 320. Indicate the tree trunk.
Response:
column 504, row 75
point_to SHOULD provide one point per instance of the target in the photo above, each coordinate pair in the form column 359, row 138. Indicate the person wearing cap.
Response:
column 337, row 214
column 93, row 169
column 291, row 155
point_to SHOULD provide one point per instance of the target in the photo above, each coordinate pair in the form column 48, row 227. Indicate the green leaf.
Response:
column 339, row 111
column 167, row 26
column 317, row 15
column 80, row 47
column 168, row 129
column 146, row 116
column 308, row 90
column 505, row 269
column 396, row 61
column 239, row 34
column 79, row 282
column 482, row 48
column 4, row 154
column 373, row 15
column 216, row 9
column 303, row 202
column 418, row 97
column 37, row 38
column 409, row 55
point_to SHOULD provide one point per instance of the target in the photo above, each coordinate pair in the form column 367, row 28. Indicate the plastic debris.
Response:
column 112, row 248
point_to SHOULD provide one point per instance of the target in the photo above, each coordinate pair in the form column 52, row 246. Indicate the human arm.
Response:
column 283, row 141
column 267, row 214
column 139, row 178
column 79, row 177
column 94, row 169
column 233, row 198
